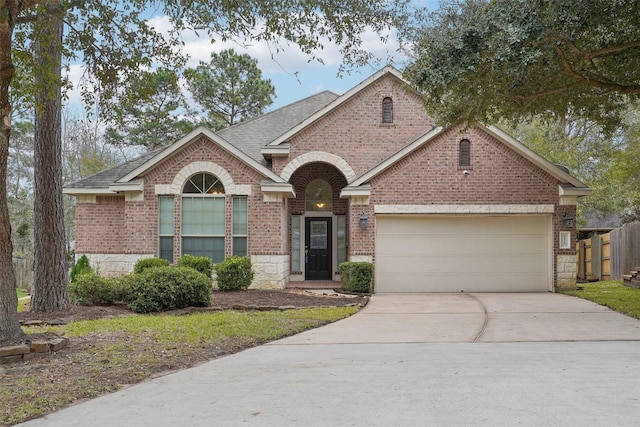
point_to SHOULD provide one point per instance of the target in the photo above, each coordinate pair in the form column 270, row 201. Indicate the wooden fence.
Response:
column 609, row 256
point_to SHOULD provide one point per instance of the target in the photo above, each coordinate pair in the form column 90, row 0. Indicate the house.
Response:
column 365, row 176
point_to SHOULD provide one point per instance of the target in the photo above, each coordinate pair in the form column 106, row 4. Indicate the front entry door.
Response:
column 317, row 256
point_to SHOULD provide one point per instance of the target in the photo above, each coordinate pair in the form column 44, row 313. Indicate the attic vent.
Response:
column 464, row 159
column 387, row 110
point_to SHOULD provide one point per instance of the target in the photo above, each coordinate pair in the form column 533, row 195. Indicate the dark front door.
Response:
column 317, row 257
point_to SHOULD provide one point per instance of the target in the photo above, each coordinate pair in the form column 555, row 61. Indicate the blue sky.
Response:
column 290, row 71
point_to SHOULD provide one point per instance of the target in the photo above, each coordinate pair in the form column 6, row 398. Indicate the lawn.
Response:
column 22, row 300
column 106, row 354
column 613, row 294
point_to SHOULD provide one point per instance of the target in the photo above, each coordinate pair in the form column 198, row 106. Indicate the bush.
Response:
column 234, row 273
column 92, row 289
column 356, row 276
column 81, row 267
column 168, row 288
column 145, row 263
column 199, row 263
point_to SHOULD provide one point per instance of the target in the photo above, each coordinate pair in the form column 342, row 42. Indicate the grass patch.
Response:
column 106, row 354
column 612, row 294
column 23, row 300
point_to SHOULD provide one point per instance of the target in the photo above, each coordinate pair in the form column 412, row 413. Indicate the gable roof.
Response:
column 388, row 70
column 579, row 188
column 244, row 139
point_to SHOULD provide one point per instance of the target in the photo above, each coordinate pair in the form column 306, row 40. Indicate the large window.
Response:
column 239, row 226
column 165, row 228
column 203, row 217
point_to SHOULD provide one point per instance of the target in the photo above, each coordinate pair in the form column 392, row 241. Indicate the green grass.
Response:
column 113, row 352
column 22, row 303
column 613, row 294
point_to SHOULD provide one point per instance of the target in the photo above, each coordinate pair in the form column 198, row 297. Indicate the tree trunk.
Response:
column 9, row 324
column 50, row 267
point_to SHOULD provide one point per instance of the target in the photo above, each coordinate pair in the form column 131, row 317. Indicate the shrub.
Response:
column 81, row 267
column 168, row 288
column 356, row 276
column 145, row 263
column 90, row 289
column 234, row 273
column 199, row 263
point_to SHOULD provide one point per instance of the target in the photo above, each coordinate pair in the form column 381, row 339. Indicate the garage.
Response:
column 463, row 253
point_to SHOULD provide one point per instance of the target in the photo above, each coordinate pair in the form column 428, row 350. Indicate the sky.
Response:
column 290, row 71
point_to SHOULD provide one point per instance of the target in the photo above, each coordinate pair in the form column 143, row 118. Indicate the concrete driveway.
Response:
column 408, row 360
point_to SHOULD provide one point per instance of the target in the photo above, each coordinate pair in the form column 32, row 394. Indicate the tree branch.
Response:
column 610, row 86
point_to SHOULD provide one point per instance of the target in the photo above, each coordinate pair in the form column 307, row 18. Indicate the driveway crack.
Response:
column 486, row 318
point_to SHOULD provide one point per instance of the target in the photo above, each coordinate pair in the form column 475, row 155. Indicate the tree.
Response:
column 485, row 60
column 149, row 114
column 230, row 86
column 116, row 43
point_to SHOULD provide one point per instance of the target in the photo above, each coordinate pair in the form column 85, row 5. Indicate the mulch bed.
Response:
column 245, row 299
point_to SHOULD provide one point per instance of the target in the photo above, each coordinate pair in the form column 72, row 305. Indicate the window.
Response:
column 165, row 227
column 295, row 243
column 319, row 196
column 203, row 217
column 342, row 238
column 239, row 226
column 387, row 110
column 464, row 159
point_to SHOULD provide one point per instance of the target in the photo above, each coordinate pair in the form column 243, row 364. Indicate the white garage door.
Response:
column 462, row 253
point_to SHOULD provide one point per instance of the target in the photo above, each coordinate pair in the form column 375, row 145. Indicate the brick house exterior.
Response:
column 291, row 188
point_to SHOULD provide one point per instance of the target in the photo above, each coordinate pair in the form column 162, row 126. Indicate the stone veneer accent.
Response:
column 361, row 258
column 566, row 271
column 112, row 265
column 270, row 271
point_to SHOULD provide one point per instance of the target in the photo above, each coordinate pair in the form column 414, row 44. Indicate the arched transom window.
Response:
column 203, row 183
column 319, row 196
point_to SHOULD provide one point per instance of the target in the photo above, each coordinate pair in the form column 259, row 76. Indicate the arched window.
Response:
column 464, row 154
column 387, row 110
column 318, row 196
column 203, row 217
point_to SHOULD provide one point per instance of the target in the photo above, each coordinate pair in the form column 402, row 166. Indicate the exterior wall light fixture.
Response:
column 364, row 220
column 567, row 220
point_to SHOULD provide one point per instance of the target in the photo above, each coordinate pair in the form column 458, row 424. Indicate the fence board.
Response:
column 625, row 249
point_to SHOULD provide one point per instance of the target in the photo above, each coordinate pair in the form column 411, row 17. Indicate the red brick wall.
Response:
column 354, row 131
column 100, row 226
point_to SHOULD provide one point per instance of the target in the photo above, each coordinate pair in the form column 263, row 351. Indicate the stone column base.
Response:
column 112, row 265
column 566, row 272
column 270, row 271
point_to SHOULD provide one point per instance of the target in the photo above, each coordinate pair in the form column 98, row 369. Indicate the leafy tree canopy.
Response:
column 230, row 86
column 483, row 60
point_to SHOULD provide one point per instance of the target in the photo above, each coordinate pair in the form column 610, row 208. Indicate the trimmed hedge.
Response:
column 234, row 273
column 168, row 288
column 80, row 267
column 145, row 263
column 199, row 263
column 356, row 276
column 93, row 289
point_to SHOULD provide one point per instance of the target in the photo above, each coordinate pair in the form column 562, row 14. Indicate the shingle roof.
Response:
column 249, row 136
column 106, row 177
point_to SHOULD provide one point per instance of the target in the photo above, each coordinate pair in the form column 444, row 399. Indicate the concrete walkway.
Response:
column 409, row 360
